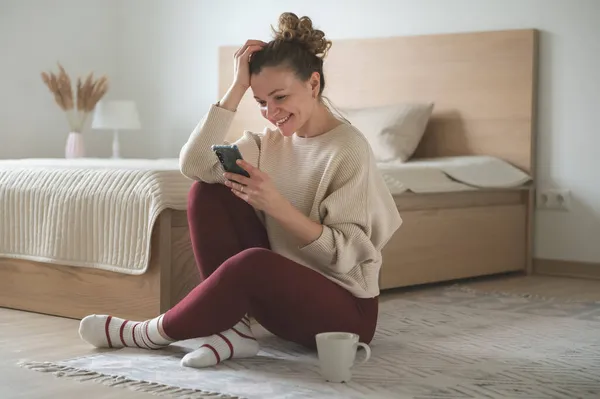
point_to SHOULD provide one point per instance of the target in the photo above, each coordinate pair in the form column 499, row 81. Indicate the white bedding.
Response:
column 96, row 213
column 99, row 213
column 460, row 173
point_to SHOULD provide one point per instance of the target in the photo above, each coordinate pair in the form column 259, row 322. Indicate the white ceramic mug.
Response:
column 337, row 354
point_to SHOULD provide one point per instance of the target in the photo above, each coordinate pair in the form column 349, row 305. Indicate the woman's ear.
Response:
column 315, row 84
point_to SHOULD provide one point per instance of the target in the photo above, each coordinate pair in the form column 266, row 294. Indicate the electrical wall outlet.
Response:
column 554, row 199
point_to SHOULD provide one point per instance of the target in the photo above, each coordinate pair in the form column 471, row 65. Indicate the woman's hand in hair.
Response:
column 241, row 60
column 241, row 75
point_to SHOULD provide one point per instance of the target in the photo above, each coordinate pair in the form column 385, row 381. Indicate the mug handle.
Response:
column 367, row 353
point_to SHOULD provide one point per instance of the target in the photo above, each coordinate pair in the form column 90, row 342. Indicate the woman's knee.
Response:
column 202, row 193
column 255, row 259
column 249, row 265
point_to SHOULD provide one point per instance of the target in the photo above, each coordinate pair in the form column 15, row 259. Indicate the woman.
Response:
column 298, row 243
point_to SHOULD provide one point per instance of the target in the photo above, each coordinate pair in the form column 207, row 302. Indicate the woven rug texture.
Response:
column 444, row 343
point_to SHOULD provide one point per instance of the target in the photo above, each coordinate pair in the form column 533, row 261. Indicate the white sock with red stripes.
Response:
column 236, row 343
column 103, row 331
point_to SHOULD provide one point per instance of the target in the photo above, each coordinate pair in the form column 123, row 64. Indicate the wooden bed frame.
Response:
column 76, row 292
column 483, row 86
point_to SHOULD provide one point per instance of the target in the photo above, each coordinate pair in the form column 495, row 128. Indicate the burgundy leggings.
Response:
column 240, row 275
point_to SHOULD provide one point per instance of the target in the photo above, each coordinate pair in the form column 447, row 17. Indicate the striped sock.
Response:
column 236, row 343
column 103, row 331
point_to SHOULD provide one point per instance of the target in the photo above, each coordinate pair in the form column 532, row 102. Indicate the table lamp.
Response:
column 116, row 115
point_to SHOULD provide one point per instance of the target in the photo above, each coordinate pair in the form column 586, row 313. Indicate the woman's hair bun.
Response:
column 300, row 30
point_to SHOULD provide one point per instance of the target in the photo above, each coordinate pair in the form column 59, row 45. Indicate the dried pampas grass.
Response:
column 87, row 94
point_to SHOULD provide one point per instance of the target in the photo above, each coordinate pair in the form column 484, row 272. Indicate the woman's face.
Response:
column 284, row 100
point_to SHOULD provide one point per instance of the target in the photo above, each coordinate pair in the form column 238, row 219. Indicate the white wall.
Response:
column 166, row 59
column 149, row 57
column 177, row 44
column 34, row 36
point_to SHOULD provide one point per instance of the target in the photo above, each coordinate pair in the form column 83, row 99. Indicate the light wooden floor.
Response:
column 29, row 336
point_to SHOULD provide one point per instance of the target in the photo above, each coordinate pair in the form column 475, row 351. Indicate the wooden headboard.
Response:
column 483, row 85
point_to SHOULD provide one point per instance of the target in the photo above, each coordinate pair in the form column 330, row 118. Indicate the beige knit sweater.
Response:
column 331, row 178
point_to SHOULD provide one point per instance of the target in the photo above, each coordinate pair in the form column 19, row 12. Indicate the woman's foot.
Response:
column 104, row 331
column 236, row 343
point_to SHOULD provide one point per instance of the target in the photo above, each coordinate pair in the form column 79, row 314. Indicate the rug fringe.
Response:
column 122, row 382
column 470, row 290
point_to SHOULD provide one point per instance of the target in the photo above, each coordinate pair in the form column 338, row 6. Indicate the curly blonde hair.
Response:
column 297, row 45
column 301, row 30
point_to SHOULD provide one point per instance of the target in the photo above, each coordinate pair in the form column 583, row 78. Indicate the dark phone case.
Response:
column 228, row 155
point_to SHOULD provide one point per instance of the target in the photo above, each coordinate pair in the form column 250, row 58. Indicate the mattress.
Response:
column 449, row 174
column 96, row 213
column 100, row 213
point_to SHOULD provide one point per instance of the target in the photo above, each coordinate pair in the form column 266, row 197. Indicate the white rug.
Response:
column 450, row 343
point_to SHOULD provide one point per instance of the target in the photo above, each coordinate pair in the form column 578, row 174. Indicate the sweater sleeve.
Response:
column 197, row 161
column 359, row 216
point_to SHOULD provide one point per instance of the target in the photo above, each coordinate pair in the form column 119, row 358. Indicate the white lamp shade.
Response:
column 116, row 114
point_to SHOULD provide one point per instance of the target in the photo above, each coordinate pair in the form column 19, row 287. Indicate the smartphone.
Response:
column 228, row 155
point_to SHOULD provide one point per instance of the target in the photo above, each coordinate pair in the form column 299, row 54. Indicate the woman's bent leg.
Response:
column 221, row 225
column 290, row 300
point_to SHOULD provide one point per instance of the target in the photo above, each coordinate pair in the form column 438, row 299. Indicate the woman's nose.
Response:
column 271, row 111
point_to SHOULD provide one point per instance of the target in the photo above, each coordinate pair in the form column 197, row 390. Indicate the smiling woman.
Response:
column 298, row 243
column 287, row 76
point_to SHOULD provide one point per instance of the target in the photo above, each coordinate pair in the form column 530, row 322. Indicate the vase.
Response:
column 75, row 147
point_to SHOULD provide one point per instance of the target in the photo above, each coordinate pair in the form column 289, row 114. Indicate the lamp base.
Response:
column 115, row 145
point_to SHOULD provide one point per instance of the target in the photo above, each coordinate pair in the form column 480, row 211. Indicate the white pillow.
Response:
column 393, row 131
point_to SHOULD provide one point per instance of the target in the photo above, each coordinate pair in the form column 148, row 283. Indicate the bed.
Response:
column 83, row 236
column 465, row 195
